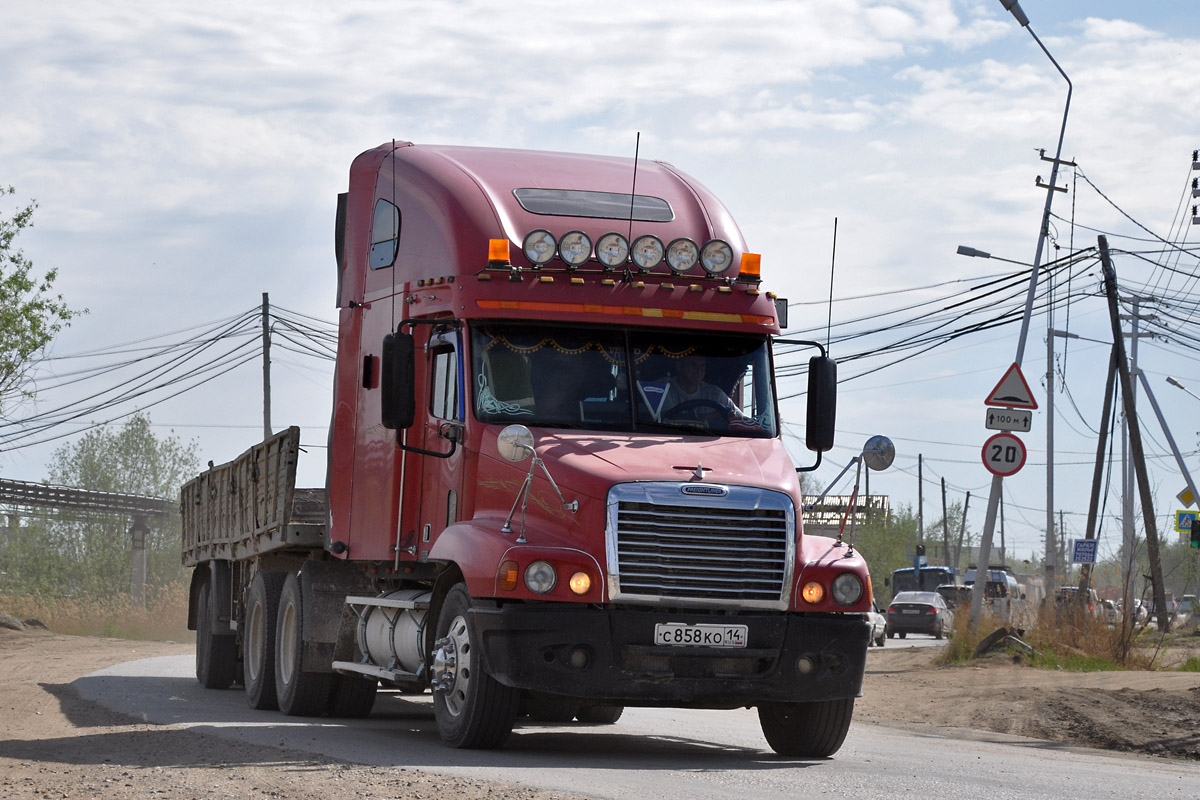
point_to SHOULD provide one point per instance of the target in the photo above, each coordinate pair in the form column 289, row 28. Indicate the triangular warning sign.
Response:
column 1012, row 391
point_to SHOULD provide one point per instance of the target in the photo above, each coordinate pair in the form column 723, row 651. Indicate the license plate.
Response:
column 681, row 634
column 910, row 611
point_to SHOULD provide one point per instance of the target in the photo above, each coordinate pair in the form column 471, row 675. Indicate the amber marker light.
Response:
column 813, row 592
column 580, row 583
column 507, row 578
column 498, row 253
column 751, row 267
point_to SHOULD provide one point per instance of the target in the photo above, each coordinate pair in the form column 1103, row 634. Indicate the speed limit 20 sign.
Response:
column 1004, row 454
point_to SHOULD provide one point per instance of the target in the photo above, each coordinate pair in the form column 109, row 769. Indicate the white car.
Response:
column 878, row 622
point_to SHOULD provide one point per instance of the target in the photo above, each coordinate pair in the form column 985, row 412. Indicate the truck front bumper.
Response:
column 610, row 656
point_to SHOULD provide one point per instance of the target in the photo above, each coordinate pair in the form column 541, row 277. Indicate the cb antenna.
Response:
column 633, row 198
column 832, row 265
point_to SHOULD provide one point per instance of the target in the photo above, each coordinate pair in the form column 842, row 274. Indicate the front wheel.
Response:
column 806, row 730
column 216, row 654
column 472, row 709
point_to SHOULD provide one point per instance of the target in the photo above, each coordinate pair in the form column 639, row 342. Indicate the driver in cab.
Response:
column 689, row 394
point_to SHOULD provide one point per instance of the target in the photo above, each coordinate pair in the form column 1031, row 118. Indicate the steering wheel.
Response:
column 694, row 405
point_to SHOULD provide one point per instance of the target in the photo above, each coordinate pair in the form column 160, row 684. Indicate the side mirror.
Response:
column 397, row 401
column 822, row 403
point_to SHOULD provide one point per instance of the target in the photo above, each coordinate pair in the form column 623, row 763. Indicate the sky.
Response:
column 186, row 160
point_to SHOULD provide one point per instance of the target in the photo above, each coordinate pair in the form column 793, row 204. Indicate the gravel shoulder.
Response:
column 55, row 745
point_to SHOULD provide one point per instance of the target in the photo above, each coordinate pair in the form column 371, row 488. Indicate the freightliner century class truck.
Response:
column 556, row 485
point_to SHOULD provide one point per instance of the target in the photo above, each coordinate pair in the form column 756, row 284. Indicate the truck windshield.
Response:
column 623, row 379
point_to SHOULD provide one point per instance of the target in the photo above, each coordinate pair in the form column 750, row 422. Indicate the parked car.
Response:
column 878, row 622
column 1067, row 603
column 1112, row 614
column 919, row 612
column 1185, row 608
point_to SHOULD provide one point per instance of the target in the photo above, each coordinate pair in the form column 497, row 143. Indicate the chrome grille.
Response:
column 735, row 549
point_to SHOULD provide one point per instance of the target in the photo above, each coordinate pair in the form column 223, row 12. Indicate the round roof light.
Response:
column 539, row 247
column 682, row 255
column 575, row 248
column 716, row 257
column 612, row 250
column 647, row 252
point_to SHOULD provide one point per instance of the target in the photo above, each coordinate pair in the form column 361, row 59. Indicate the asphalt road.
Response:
column 653, row 753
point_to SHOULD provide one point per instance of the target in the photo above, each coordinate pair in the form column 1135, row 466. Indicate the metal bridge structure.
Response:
column 25, row 496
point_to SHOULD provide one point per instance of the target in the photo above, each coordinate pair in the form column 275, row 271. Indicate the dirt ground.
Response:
column 54, row 745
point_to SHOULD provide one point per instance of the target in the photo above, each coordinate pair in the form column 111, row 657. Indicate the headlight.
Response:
column 716, row 257
column 847, row 589
column 580, row 583
column 682, row 255
column 612, row 250
column 539, row 247
column 575, row 248
column 540, row 577
column 647, row 252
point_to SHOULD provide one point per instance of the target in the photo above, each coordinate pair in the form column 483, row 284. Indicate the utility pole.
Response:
column 266, row 345
column 1051, row 545
column 962, row 531
column 1135, row 442
column 920, row 499
column 946, row 531
column 1129, row 536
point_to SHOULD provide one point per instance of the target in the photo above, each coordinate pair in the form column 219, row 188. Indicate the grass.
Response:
column 1084, row 644
column 163, row 616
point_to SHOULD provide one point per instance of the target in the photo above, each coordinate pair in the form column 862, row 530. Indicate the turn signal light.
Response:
column 580, row 583
column 507, row 578
column 813, row 592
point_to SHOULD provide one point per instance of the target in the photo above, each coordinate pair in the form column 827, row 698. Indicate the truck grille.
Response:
column 733, row 547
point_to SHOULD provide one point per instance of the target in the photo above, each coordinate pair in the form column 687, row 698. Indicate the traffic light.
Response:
column 1195, row 535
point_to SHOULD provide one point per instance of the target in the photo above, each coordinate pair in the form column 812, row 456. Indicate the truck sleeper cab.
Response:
column 556, row 484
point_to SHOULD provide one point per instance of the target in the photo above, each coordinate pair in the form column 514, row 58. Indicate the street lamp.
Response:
column 989, row 524
column 1174, row 382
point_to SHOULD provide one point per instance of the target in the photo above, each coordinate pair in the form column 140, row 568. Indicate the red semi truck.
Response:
column 556, row 484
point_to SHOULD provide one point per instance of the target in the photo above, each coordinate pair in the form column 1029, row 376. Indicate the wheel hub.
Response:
column 451, row 673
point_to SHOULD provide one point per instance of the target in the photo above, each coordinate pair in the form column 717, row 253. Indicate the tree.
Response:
column 90, row 554
column 30, row 313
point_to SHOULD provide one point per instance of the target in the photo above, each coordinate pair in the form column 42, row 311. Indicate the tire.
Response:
column 903, row 634
column 472, row 709
column 600, row 715
column 891, row 634
column 939, row 633
column 216, row 655
column 258, row 654
column 301, row 691
column 351, row 697
column 806, row 730
column 879, row 640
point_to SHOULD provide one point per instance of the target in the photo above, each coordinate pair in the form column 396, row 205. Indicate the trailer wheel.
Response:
column 548, row 708
column 806, row 730
column 301, row 693
column 600, row 715
column 352, row 697
column 258, row 658
column 216, row 655
column 472, row 709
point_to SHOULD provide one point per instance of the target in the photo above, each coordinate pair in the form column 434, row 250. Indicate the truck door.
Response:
column 442, row 431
